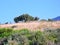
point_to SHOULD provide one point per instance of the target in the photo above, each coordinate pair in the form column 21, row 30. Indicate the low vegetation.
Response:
column 26, row 37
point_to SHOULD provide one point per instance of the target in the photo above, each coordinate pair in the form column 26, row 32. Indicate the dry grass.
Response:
column 33, row 25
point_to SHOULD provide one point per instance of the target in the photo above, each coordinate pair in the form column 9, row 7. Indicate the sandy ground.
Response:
column 35, row 25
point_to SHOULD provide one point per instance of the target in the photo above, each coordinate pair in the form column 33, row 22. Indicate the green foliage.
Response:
column 26, row 37
column 50, row 20
column 25, row 17
column 52, row 36
column 36, row 18
column 4, row 32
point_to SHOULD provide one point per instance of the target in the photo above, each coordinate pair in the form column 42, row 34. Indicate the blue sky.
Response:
column 43, row 9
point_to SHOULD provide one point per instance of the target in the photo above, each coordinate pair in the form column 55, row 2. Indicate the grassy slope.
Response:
column 33, row 25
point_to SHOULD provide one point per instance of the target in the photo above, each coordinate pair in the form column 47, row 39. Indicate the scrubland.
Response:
column 30, row 33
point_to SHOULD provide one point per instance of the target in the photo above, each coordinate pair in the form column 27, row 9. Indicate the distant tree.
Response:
column 50, row 20
column 16, row 19
column 25, row 17
column 36, row 18
column 6, row 23
column 43, row 20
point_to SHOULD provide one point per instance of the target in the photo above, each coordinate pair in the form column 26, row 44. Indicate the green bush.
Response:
column 4, row 32
column 26, row 37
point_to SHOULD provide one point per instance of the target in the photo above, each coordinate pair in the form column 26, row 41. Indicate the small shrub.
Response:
column 14, row 26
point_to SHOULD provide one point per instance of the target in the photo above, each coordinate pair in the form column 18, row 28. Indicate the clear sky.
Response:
column 43, row 9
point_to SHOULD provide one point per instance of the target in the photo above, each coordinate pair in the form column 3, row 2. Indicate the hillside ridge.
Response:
column 34, row 25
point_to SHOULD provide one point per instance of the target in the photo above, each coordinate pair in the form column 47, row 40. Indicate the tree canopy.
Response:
column 25, row 17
